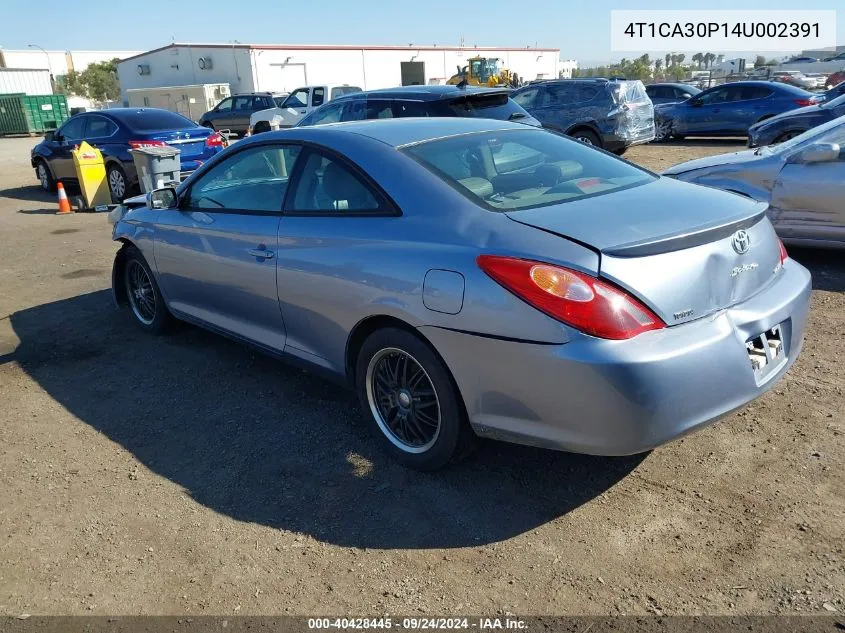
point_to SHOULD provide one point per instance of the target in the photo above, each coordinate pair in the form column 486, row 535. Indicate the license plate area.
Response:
column 766, row 353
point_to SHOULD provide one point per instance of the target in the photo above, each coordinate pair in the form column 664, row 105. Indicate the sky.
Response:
column 579, row 29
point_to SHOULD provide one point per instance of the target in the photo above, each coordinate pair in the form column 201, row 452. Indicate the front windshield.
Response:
column 520, row 169
column 830, row 132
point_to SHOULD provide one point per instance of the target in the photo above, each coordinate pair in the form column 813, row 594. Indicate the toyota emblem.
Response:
column 741, row 242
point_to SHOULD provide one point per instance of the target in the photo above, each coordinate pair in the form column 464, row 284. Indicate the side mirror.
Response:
column 164, row 198
column 816, row 153
column 49, row 136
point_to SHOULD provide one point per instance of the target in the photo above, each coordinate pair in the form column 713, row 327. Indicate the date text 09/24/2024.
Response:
column 417, row 623
column 724, row 29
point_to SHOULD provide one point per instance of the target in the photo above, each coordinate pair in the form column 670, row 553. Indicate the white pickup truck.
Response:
column 299, row 103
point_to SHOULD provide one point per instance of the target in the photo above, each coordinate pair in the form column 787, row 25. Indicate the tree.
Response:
column 668, row 60
column 658, row 65
column 697, row 59
column 681, row 58
column 759, row 61
column 98, row 82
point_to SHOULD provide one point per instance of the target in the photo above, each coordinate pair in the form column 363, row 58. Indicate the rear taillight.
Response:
column 214, row 140
column 783, row 254
column 577, row 299
column 805, row 102
column 142, row 144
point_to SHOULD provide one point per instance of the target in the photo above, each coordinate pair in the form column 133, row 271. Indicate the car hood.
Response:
column 733, row 158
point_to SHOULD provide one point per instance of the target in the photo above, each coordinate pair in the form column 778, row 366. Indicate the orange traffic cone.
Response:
column 64, row 203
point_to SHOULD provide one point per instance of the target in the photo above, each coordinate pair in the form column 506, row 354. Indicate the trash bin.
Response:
column 91, row 174
column 157, row 166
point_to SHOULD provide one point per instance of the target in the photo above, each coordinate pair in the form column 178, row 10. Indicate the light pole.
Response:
column 49, row 65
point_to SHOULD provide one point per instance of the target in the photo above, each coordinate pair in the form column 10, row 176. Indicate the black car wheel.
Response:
column 410, row 396
column 45, row 177
column 586, row 137
column 143, row 295
column 261, row 126
column 116, row 178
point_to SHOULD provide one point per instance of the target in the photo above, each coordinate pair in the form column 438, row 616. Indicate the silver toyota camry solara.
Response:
column 475, row 277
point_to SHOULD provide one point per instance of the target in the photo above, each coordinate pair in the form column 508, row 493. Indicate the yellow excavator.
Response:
column 483, row 71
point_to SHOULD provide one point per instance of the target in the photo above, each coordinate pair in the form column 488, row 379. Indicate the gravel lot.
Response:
column 187, row 474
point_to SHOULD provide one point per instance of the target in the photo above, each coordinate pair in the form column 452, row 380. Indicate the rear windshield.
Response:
column 628, row 91
column 521, row 169
column 153, row 120
column 483, row 106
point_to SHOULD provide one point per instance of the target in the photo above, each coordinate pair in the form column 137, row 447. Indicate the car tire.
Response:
column 143, row 296
column 678, row 137
column 45, row 176
column 411, row 400
column 620, row 150
column 587, row 137
column 261, row 126
column 118, row 185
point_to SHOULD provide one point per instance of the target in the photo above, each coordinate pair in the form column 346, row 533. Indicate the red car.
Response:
column 834, row 79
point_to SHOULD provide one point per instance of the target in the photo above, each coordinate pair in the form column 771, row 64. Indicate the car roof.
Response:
column 121, row 114
column 400, row 131
column 672, row 84
column 424, row 93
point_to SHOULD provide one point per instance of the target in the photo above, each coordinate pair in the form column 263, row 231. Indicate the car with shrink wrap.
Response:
column 609, row 114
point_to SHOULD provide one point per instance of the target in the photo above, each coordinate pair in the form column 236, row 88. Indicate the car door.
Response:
column 807, row 197
column 67, row 137
column 221, row 114
column 216, row 254
column 331, row 210
column 701, row 114
column 318, row 98
column 295, row 106
column 242, row 109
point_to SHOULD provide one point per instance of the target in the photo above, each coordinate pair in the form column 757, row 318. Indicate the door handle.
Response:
column 261, row 252
column 302, row 111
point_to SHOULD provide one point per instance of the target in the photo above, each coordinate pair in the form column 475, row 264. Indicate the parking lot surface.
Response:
column 188, row 474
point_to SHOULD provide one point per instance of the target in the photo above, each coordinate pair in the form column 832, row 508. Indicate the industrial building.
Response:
column 250, row 68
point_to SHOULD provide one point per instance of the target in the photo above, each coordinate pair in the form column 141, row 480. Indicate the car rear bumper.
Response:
column 623, row 397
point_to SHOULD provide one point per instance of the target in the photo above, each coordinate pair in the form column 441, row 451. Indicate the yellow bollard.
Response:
column 91, row 173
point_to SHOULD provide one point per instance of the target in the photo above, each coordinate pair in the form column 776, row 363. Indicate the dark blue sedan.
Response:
column 115, row 132
column 728, row 110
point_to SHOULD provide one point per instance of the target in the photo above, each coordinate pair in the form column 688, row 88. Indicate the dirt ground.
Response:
column 188, row 475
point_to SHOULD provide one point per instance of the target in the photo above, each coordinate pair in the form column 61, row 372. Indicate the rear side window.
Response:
column 526, row 98
column 99, row 127
column 225, row 105
column 243, row 103
column 410, row 108
column 326, row 185
column 755, row 92
column 74, row 128
column 495, row 105
column 379, row 109
column 152, row 120
column 584, row 93
column 318, row 97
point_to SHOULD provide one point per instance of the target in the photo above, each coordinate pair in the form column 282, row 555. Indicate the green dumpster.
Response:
column 32, row 114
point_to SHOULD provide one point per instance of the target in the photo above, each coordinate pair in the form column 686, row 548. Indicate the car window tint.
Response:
column 318, row 97
column 354, row 110
column 526, row 98
column 410, row 108
column 558, row 95
column 298, row 99
column 327, row 185
column 243, row 103
column 327, row 114
column 99, row 127
column 154, row 120
column 252, row 180
column 755, row 92
column 73, row 129
column 225, row 105
column 720, row 95
column 379, row 109
column 584, row 93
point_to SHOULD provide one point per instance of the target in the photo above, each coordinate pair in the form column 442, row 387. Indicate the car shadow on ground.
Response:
column 31, row 193
column 826, row 265
column 728, row 142
column 252, row 438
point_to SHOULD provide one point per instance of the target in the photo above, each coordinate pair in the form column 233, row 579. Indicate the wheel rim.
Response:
column 42, row 176
column 116, row 184
column 403, row 400
column 586, row 140
column 662, row 131
column 142, row 297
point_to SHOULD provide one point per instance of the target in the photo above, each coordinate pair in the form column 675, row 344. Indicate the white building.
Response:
column 250, row 68
column 57, row 62
column 565, row 68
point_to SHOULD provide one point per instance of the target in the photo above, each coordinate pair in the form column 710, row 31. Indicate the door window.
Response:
column 719, row 95
column 225, row 105
column 243, row 103
column 298, row 99
column 252, row 180
column 410, row 108
column 379, row 109
column 73, row 129
column 99, row 127
column 526, row 98
column 318, row 97
column 326, row 114
column 326, row 185
column 755, row 92
column 354, row 110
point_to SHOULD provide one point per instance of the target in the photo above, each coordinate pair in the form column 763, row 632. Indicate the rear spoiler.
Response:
column 695, row 237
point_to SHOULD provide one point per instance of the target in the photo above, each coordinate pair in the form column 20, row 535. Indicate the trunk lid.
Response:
column 190, row 142
column 675, row 246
